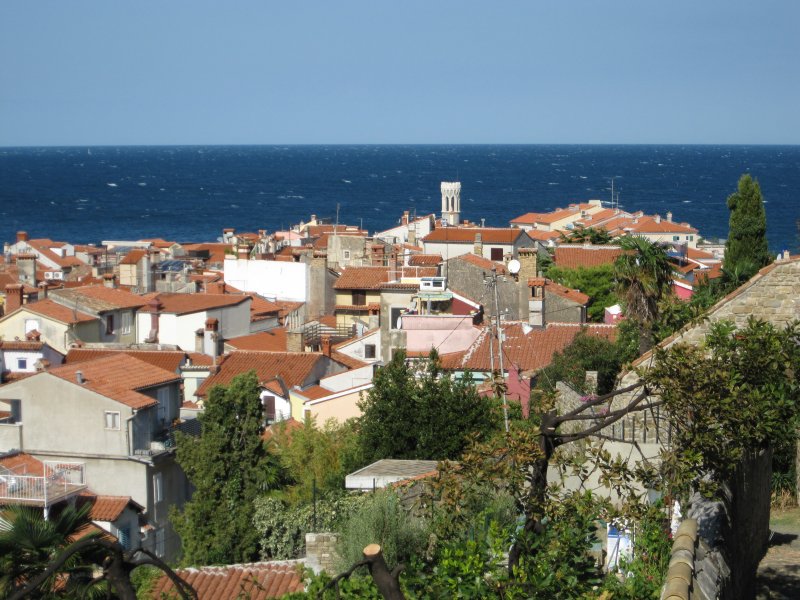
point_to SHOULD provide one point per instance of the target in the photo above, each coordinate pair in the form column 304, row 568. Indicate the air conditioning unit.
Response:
column 54, row 275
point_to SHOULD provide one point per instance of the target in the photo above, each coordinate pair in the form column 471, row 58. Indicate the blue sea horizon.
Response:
column 191, row 192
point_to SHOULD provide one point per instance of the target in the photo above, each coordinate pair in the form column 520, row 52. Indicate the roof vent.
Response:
column 79, row 377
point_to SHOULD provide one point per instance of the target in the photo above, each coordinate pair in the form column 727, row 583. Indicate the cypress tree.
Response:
column 746, row 250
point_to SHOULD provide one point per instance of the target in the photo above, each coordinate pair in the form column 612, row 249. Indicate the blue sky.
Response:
column 433, row 71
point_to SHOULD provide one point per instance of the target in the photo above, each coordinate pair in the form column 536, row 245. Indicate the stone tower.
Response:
column 451, row 202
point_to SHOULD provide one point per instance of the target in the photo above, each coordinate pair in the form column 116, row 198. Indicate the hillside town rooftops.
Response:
column 570, row 256
column 184, row 304
column 53, row 310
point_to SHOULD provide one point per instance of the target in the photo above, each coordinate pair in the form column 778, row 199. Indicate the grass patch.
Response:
column 786, row 520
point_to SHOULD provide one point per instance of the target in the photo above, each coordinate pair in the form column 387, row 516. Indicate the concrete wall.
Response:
column 58, row 415
column 339, row 406
column 181, row 330
column 356, row 348
column 53, row 332
column 270, row 278
column 392, row 338
column 321, row 295
column 321, row 552
column 348, row 379
column 467, row 278
column 446, row 333
column 562, row 310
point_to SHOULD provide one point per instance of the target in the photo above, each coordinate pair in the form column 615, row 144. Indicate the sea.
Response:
column 190, row 193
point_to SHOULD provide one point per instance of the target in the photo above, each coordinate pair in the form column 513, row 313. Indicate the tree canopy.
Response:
column 229, row 467
column 746, row 250
column 421, row 412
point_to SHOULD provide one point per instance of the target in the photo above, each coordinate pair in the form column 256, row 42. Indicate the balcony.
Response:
column 59, row 481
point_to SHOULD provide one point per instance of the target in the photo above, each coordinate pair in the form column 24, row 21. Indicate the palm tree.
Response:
column 58, row 558
column 643, row 276
column 28, row 542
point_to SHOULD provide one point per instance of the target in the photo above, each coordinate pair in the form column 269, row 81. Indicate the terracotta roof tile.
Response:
column 184, row 304
column 483, row 263
column 293, row 367
column 273, row 340
column 466, row 235
column 568, row 256
column 347, row 361
column 255, row 581
column 425, row 260
column 52, row 310
column 169, row 360
column 362, row 278
column 134, row 256
column 551, row 287
column 546, row 218
column 526, row 348
column 98, row 298
column 651, row 225
column 120, row 377
column 22, row 463
column 21, row 345
column 108, row 508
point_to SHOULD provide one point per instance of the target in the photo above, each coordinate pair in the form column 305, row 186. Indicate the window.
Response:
column 22, row 364
column 690, row 238
column 346, row 254
column 124, row 537
column 109, row 324
column 160, row 551
column 369, row 350
column 269, row 408
column 162, row 396
column 127, row 321
column 676, row 238
column 31, row 324
column 16, row 411
column 112, row 419
column 158, row 488
column 497, row 254
column 359, row 298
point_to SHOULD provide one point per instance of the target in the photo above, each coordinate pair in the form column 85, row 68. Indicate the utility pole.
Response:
column 491, row 281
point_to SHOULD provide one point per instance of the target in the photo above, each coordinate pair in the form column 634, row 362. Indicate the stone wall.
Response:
column 321, row 552
column 732, row 535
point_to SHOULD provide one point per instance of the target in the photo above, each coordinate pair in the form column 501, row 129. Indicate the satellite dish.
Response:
column 513, row 266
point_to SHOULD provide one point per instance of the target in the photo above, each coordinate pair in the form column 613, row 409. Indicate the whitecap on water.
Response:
column 111, row 184
column 142, row 184
column 346, row 181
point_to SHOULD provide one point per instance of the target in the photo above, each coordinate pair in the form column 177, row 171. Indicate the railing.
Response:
column 59, row 481
column 312, row 336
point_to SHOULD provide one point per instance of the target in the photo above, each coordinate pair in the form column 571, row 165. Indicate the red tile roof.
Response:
column 293, row 367
column 547, row 218
column 458, row 235
column 43, row 246
column 376, row 278
column 133, row 257
column 551, row 287
column 99, row 298
column 568, row 256
column 524, row 347
column 651, row 225
column 255, row 581
column 22, row 464
column 20, row 345
column 184, row 304
column 425, row 260
column 57, row 312
column 483, row 263
column 273, row 340
column 108, row 508
column 120, row 377
column 169, row 360
column 216, row 252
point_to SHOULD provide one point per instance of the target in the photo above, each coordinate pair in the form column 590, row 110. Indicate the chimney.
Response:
column 110, row 281
column 658, row 219
column 79, row 377
column 478, row 248
column 153, row 307
column 326, row 345
column 528, row 263
column 22, row 236
column 536, row 301
column 26, row 263
column 243, row 252
column 43, row 287
column 404, row 220
column 412, row 235
column 13, row 297
column 33, row 336
column 211, row 338
column 669, row 216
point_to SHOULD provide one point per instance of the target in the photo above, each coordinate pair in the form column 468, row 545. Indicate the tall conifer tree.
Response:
column 746, row 250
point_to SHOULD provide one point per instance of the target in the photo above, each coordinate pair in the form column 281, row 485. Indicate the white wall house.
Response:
column 176, row 319
column 281, row 280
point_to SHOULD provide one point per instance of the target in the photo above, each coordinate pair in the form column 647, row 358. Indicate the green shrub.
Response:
column 283, row 528
column 382, row 520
